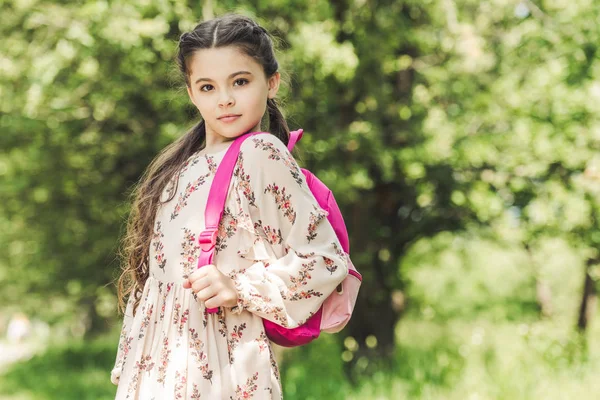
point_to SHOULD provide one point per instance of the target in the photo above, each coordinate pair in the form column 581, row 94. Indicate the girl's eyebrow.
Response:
column 230, row 76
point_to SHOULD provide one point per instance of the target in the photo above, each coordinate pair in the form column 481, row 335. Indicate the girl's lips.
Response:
column 229, row 119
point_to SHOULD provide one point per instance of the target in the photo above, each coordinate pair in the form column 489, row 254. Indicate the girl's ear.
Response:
column 273, row 85
column 189, row 90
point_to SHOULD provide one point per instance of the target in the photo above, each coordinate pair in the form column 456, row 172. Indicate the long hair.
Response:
column 228, row 30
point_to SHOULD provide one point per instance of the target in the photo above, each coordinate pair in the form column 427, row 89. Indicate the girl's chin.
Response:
column 234, row 130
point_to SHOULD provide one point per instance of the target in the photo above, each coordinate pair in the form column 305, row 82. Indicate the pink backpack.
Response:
column 337, row 309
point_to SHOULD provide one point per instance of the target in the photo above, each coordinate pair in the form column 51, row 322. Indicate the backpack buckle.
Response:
column 207, row 239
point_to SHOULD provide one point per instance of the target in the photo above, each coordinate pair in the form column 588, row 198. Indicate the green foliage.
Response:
column 461, row 139
column 435, row 360
column 298, row 371
column 74, row 371
column 467, row 276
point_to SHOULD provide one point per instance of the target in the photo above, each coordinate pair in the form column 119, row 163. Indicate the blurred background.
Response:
column 460, row 137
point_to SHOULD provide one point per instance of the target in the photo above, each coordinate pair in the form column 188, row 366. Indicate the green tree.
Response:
column 429, row 120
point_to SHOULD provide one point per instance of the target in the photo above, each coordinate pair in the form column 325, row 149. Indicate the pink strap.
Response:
column 217, row 196
column 216, row 203
column 295, row 136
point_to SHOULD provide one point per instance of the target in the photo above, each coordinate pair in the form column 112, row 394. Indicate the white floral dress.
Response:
column 277, row 245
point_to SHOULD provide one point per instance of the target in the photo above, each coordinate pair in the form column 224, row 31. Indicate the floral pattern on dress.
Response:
column 182, row 321
column 145, row 364
column 194, row 159
column 180, row 384
column 330, row 265
column 195, row 392
column 190, row 188
column 315, row 217
column 234, row 340
column 294, row 292
column 124, row 346
column 157, row 244
column 211, row 164
column 273, row 235
column 146, row 321
column 274, row 366
column 190, row 250
column 244, row 181
column 164, row 298
column 262, row 341
column 301, row 255
column 197, row 347
column 247, row 391
column 164, row 361
column 276, row 154
column 282, row 200
column 260, row 302
column 282, row 256
column 190, row 162
column 179, row 320
column 227, row 228
column 337, row 248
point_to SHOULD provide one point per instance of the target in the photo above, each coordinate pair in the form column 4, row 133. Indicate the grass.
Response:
column 73, row 371
column 452, row 360
column 435, row 360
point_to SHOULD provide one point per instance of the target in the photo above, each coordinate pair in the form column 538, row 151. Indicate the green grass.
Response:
column 75, row 371
column 447, row 360
column 455, row 360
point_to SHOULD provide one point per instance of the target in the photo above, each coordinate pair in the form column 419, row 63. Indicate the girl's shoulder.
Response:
column 261, row 148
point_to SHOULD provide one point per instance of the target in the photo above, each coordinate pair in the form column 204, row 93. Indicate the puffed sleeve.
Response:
column 124, row 342
column 290, row 288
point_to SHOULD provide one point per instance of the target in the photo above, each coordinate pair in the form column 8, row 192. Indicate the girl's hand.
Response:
column 212, row 287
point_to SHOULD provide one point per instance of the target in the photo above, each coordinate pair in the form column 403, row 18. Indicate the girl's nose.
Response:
column 226, row 100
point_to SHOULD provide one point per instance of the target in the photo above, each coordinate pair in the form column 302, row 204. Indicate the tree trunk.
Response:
column 372, row 317
column 587, row 307
column 374, row 314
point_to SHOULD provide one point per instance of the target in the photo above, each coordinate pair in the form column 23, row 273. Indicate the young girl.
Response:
column 277, row 256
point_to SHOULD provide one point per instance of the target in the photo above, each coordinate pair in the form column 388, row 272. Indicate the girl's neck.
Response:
column 216, row 143
column 216, row 147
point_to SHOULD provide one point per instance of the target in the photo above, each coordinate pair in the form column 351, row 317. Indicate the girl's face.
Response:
column 224, row 81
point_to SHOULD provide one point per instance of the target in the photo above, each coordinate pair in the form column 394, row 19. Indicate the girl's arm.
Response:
column 289, row 289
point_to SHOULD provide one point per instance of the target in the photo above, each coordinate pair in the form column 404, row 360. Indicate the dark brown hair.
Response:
column 228, row 30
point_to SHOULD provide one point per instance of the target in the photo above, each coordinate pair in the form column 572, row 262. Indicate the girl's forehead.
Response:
column 220, row 62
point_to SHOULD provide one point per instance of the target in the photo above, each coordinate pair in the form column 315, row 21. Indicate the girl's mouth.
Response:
column 230, row 118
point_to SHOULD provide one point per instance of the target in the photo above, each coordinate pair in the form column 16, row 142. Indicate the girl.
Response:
column 277, row 256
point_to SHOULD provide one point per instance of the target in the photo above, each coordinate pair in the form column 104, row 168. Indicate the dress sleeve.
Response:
column 311, row 263
column 124, row 342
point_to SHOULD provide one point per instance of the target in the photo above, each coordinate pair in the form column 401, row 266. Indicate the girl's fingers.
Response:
column 205, row 284
column 206, row 294
column 213, row 302
column 199, row 273
column 200, row 284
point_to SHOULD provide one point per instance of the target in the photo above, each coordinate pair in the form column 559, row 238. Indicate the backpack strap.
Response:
column 217, row 196
column 216, row 203
column 295, row 136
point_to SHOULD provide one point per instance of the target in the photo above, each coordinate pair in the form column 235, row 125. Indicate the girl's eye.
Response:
column 240, row 82
column 244, row 81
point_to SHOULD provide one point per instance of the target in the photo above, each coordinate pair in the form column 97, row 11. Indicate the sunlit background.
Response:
column 460, row 137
